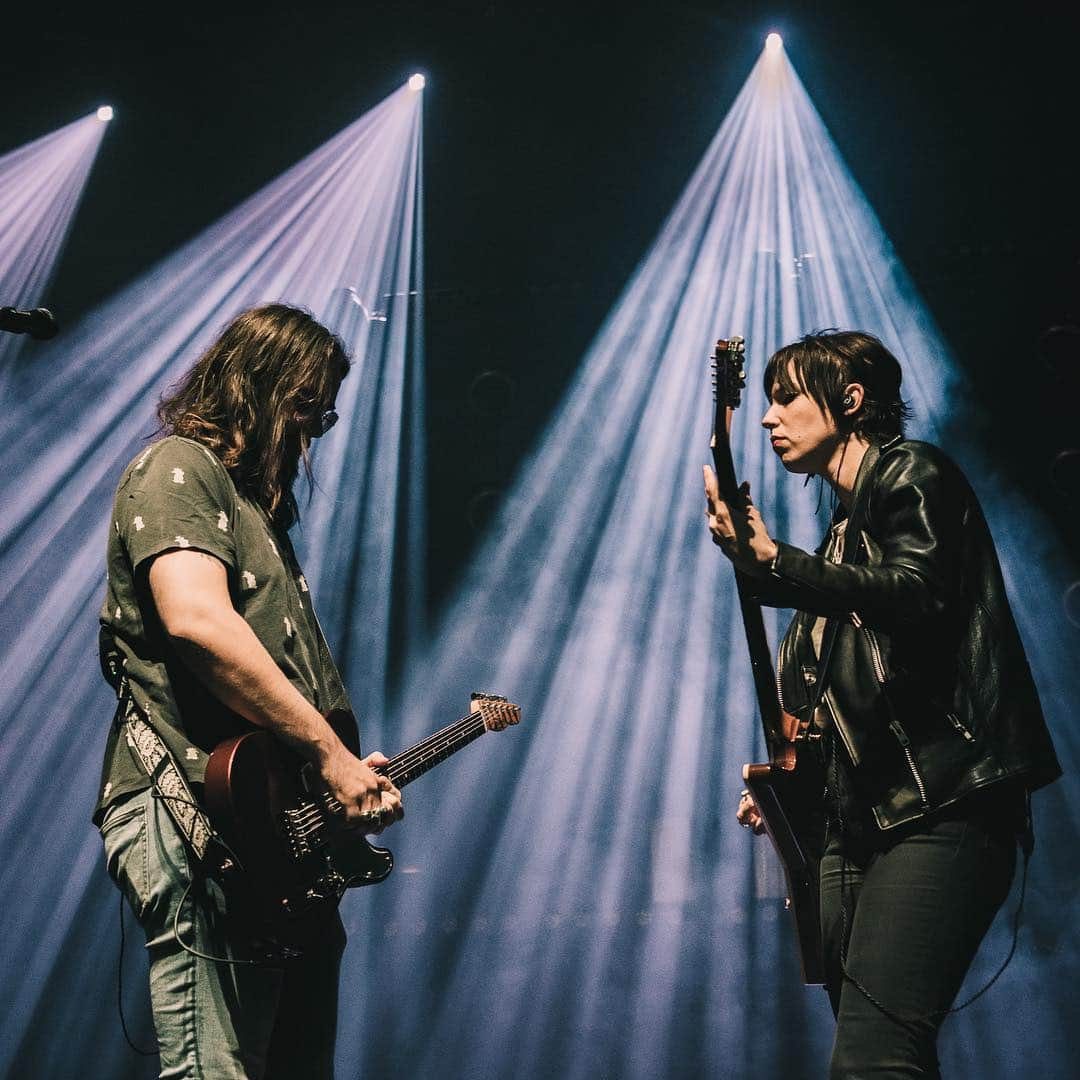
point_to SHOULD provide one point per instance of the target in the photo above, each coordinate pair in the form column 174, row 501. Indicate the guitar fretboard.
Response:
column 405, row 767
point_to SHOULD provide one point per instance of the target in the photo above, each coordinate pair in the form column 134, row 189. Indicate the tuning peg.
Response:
column 497, row 712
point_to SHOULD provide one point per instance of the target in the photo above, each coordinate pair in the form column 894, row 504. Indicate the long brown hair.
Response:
column 253, row 397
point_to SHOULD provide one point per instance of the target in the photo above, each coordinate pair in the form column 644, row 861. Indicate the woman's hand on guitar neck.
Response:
column 738, row 531
column 370, row 800
column 748, row 815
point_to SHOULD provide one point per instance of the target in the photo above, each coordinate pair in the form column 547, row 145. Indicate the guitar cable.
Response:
column 935, row 1014
column 176, row 934
column 120, row 991
column 232, row 961
column 834, row 769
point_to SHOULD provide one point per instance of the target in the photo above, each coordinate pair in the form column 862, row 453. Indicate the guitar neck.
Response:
column 405, row 767
column 724, row 465
column 753, row 623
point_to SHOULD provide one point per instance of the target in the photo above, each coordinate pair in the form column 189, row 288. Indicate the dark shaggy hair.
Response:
column 253, row 397
column 823, row 363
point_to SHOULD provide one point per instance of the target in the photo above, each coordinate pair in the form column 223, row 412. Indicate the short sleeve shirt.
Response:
column 178, row 495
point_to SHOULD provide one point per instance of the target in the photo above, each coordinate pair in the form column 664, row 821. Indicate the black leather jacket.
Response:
column 928, row 686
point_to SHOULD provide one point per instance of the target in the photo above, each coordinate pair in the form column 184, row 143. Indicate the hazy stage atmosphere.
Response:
column 529, row 226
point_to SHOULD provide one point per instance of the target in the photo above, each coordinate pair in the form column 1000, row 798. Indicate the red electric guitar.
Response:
column 778, row 791
column 290, row 856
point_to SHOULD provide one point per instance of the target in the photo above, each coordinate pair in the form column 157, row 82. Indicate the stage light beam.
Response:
column 41, row 186
column 105, row 113
column 346, row 215
column 774, row 43
column 591, row 886
column 417, row 82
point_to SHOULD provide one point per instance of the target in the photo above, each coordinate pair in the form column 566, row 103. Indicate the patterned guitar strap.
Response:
column 157, row 761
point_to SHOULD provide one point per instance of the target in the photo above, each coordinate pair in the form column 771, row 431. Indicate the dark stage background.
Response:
column 557, row 139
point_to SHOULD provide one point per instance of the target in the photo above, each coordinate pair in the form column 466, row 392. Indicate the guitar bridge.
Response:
column 304, row 830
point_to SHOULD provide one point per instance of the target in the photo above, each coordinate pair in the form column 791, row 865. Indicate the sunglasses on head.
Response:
column 316, row 423
column 322, row 424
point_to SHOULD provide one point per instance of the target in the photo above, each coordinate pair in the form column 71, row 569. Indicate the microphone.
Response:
column 39, row 323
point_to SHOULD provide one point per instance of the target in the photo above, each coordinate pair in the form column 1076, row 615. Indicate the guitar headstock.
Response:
column 728, row 379
column 729, row 374
column 496, row 712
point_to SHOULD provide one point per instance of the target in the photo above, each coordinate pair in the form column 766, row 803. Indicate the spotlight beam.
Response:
column 41, row 185
column 346, row 214
column 602, row 901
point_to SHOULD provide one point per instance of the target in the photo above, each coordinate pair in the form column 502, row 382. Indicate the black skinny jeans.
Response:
column 913, row 916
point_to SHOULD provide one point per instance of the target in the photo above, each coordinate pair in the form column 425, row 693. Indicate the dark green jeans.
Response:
column 912, row 916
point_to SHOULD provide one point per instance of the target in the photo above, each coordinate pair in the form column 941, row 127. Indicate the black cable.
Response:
column 120, row 990
column 936, row 1013
column 206, row 956
column 213, row 832
column 911, row 1021
column 176, row 915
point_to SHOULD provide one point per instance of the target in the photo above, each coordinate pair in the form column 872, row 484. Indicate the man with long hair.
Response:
column 904, row 665
column 207, row 628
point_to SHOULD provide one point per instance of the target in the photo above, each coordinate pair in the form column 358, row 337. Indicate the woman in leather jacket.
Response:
column 928, row 731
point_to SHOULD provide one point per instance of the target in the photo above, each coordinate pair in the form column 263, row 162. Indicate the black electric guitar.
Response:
column 288, row 854
column 776, row 786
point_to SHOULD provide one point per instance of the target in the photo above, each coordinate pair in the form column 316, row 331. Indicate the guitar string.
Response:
column 420, row 754
column 451, row 731
column 417, row 752
column 427, row 753
column 442, row 731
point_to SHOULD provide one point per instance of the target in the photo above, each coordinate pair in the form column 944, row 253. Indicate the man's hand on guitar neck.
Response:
column 748, row 815
column 738, row 531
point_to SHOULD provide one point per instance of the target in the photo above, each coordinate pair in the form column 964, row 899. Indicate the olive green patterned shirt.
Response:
column 174, row 495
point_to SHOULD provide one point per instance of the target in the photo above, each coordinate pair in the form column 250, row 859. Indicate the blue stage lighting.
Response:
column 41, row 185
column 590, row 886
column 346, row 217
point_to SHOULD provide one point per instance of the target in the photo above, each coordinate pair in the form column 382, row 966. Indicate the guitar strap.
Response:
column 166, row 776
column 852, row 535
